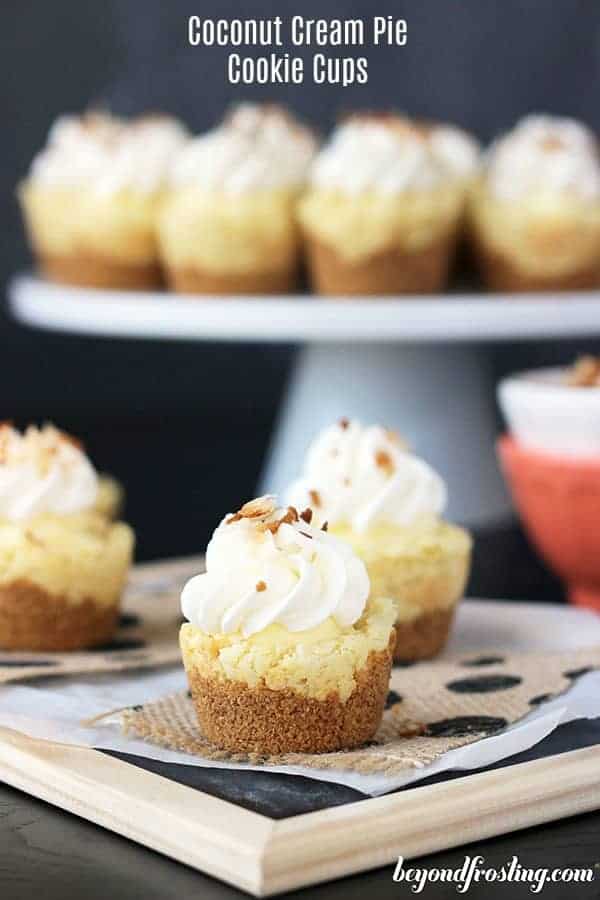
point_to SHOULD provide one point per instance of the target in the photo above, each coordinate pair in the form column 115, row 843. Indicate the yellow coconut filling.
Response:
column 422, row 567
column 229, row 233
column 75, row 557
column 73, row 222
column 360, row 226
column 315, row 663
column 543, row 233
column 109, row 501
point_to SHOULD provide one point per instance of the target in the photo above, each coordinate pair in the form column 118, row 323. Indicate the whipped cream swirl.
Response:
column 544, row 155
column 390, row 154
column 267, row 566
column 361, row 476
column 255, row 148
column 43, row 471
column 107, row 154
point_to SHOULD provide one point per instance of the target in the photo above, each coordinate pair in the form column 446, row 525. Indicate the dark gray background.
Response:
column 186, row 425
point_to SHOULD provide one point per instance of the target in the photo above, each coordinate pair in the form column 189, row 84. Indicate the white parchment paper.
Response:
column 63, row 710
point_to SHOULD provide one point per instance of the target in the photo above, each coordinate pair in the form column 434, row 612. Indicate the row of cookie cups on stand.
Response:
column 380, row 209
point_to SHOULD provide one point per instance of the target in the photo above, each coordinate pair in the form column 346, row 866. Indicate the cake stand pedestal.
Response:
column 416, row 364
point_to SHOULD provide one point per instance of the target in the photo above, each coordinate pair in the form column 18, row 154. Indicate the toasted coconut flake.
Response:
column 384, row 461
column 259, row 508
column 71, row 439
column 262, row 506
column 306, row 515
column 290, row 517
column 315, row 498
column 261, row 586
column 552, row 143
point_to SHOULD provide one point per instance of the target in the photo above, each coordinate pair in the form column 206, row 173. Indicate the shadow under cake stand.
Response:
column 418, row 364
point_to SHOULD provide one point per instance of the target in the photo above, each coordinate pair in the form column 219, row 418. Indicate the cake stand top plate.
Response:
column 468, row 317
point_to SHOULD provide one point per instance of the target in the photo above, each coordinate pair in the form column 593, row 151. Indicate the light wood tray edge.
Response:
column 264, row 856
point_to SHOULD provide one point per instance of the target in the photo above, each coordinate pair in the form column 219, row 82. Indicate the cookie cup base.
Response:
column 192, row 280
column 424, row 636
column 500, row 273
column 32, row 619
column 387, row 272
column 245, row 719
column 89, row 270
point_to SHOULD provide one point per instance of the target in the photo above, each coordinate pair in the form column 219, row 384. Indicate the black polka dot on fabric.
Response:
column 29, row 663
column 484, row 684
column 577, row 673
column 391, row 699
column 462, row 726
column 483, row 661
column 119, row 644
column 129, row 620
column 541, row 698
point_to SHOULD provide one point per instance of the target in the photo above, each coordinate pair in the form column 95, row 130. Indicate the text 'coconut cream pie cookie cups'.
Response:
column 63, row 564
column 284, row 649
column 91, row 198
column 534, row 216
column 385, row 203
column 387, row 505
column 228, row 225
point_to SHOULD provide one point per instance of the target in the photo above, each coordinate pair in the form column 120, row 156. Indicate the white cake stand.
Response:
column 417, row 364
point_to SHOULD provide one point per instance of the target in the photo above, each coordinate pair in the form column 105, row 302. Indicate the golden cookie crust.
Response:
column 390, row 271
column 500, row 273
column 424, row 636
column 33, row 619
column 91, row 270
column 188, row 280
column 247, row 719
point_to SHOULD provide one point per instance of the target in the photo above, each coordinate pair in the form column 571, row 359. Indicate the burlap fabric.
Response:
column 432, row 707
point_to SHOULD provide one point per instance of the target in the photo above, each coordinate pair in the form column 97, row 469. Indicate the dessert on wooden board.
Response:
column 387, row 504
column 285, row 649
column 63, row 560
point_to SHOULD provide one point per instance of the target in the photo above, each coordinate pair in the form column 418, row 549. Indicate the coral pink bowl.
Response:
column 558, row 499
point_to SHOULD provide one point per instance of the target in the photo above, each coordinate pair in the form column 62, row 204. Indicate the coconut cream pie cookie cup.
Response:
column 534, row 214
column 384, row 207
column 91, row 198
column 228, row 225
column 63, row 564
column 387, row 505
column 110, row 498
column 284, row 650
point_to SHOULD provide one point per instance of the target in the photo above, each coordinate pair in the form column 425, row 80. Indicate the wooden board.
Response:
column 263, row 855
